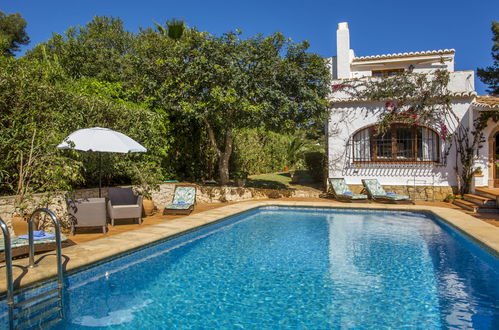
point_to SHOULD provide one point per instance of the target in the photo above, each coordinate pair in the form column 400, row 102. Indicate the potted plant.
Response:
column 477, row 180
column 449, row 198
column 478, row 171
column 147, row 183
column 24, row 191
column 19, row 223
column 145, row 190
column 147, row 203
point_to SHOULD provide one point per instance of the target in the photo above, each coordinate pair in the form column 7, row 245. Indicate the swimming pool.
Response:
column 284, row 267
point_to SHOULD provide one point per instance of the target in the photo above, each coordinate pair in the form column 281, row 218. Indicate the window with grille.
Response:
column 387, row 73
column 400, row 143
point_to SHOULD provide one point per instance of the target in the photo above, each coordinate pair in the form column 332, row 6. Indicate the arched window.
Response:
column 400, row 143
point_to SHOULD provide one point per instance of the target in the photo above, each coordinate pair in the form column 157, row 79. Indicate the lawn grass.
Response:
column 282, row 180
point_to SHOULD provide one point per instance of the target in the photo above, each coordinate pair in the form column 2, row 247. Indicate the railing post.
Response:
column 8, row 268
column 31, row 241
column 57, row 242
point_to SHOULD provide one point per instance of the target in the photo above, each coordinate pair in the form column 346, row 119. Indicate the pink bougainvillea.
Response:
column 390, row 105
column 443, row 130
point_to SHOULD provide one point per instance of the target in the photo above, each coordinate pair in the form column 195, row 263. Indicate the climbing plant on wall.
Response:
column 422, row 99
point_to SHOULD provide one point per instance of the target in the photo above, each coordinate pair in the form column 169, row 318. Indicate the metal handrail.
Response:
column 57, row 242
column 8, row 268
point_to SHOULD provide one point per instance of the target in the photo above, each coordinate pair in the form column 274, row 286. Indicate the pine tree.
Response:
column 490, row 74
column 12, row 33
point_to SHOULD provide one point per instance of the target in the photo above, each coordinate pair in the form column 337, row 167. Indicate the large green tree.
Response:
column 490, row 74
column 259, row 81
column 227, row 83
column 97, row 50
column 12, row 33
column 203, row 86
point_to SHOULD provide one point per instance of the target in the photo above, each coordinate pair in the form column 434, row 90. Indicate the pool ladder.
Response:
column 45, row 309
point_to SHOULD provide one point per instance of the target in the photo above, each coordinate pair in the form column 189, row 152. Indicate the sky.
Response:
column 376, row 26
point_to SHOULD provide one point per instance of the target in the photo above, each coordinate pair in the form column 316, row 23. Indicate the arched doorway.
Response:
column 495, row 168
column 493, row 142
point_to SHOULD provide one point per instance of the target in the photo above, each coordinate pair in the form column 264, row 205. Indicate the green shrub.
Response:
column 314, row 161
column 259, row 151
column 37, row 114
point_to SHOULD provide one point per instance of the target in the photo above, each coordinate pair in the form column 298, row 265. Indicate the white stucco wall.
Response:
column 420, row 65
column 482, row 159
column 347, row 118
column 344, row 56
column 347, row 66
column 459, row 82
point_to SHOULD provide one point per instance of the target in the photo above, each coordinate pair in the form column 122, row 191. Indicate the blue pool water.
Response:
column 295, row 268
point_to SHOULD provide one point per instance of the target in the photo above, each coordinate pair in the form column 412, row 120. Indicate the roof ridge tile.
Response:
column 405, row 54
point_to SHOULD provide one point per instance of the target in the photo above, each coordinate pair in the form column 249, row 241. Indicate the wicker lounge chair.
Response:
column 377, row 193
column 342, row 193
column 124, row 204
column 183, row 202
column 87, row 212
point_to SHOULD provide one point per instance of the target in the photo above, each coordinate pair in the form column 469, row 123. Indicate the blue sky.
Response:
column 376, row 27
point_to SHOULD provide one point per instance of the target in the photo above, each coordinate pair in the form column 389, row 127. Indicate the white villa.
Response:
column 408, row 159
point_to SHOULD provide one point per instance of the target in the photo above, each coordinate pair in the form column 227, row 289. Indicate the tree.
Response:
column 295, row 151
column 229, row 83
column 174, row 29
column 490, row 74
column 12, row 33
column 205, row 87
column 98, row 50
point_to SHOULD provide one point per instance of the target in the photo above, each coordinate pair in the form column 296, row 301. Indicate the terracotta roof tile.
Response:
column 487, row 101
column 399, row 55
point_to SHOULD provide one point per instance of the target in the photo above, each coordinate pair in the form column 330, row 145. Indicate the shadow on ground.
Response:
column 266, row 184
column 282, row 181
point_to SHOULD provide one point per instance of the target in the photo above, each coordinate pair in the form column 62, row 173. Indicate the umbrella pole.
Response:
column 100, row 174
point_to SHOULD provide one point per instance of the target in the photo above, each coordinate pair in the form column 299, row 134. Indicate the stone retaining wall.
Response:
column 215, row 194
column 161, row 197
column 418, row 193
column 205, row 194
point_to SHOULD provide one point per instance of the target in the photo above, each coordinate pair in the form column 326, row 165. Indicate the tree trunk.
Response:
column 223, row 160
column 223, row 156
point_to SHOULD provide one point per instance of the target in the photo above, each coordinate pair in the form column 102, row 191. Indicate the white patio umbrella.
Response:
column 98, row 139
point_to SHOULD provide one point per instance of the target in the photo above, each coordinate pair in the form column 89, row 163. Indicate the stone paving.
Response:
column 90, row 251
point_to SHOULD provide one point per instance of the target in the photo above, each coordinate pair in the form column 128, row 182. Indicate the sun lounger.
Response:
column 377, row 193
column 183, row 202
column 343, row 193
column 20, row 246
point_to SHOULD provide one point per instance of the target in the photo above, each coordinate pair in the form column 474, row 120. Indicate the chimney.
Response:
column 343, row 51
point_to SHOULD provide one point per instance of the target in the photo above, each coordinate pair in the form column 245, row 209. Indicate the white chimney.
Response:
column 343, row 51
